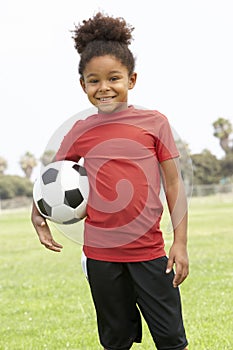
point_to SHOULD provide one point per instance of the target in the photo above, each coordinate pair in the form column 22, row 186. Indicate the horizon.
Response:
column 183, row 60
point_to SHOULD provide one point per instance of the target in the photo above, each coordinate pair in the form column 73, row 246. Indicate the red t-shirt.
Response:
column 122, row 152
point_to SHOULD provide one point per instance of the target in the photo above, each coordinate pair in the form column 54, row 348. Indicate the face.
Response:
column 106, row 82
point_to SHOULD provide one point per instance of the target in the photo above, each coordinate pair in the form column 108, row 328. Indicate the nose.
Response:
column 104, row 86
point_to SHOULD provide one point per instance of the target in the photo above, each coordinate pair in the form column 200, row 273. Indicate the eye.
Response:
column 92, row 81
column 114, row 78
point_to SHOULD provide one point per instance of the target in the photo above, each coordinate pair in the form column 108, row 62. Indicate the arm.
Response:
column 67, row 150
column 43, row 230
column 177, row 205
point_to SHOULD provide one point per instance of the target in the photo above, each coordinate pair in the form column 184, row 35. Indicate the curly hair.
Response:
column 104, row 35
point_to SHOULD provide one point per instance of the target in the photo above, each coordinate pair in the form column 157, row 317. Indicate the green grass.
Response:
column 46, row 303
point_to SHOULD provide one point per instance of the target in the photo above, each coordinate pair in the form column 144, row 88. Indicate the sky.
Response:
column 183, row 53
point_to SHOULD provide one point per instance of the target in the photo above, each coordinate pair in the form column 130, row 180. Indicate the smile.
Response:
column 105, row 99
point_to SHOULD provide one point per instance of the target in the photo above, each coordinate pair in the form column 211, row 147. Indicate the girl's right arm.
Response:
column 43, row 230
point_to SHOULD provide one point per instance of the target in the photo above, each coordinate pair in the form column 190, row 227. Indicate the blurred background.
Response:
column 184, row 65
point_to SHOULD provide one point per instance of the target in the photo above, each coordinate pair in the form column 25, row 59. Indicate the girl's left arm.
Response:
column 177, row 205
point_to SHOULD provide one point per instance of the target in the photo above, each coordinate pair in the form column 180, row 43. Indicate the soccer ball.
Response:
column 61, row 191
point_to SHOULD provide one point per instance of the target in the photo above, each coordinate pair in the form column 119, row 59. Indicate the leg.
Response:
column 118, row 318
column 159, row 303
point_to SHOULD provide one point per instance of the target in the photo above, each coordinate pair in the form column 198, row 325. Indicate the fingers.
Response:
column 180, row 275
column 54, row 247
column 51, row 245
column 47, row 240
column 44, row 234
column 170, row 264
column 181, row 271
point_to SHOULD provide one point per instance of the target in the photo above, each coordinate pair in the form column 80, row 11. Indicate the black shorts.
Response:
column 120, row 290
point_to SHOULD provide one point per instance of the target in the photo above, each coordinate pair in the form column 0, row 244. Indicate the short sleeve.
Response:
column 68, row 149
column 165, row 143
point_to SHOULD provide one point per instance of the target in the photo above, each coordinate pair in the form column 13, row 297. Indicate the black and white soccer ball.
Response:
column 61, row 192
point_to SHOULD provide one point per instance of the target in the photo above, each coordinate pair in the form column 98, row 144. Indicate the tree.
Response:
column 227, row 166
column 3, row 165
column 223, row 130
column 185, row 164
column 206, row 168
column 28, row 163
column 47, row 157
column 12, row 186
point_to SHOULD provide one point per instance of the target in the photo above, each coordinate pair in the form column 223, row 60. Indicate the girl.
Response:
column 126, row 151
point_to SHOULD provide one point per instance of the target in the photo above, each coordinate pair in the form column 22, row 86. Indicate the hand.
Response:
column 43, row 231
column 178, row 255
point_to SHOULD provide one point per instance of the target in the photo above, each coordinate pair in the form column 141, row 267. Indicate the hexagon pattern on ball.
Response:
column 61, row 191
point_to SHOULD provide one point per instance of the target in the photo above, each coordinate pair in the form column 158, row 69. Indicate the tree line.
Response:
column 206, row 168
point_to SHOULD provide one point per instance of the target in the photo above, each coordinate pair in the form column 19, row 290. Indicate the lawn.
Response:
column 45, row 299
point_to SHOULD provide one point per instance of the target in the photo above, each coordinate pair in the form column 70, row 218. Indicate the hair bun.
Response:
column 102, row 28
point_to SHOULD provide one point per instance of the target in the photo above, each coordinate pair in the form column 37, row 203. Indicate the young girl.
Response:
column 126, row 151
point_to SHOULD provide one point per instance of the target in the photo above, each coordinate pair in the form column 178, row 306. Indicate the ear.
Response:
column 132, row 80
column 82, row 83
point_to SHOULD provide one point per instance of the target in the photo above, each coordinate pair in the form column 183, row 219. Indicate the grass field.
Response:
column 45, row 299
